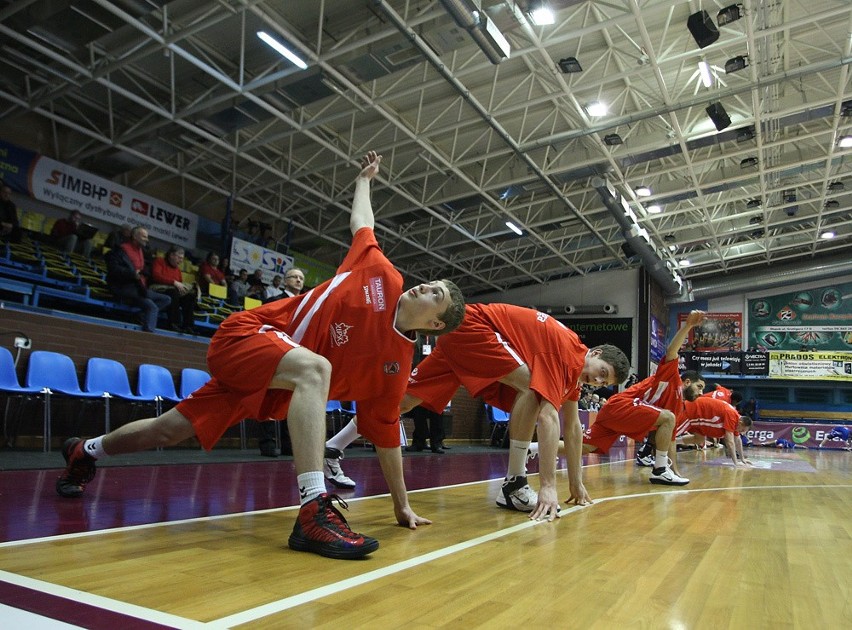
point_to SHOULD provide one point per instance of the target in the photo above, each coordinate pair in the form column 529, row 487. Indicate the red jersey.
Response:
column 709, row 417
column 664, row 389
column 163, row 273
column 492, row 341
column 720, row 393
column 350, row 320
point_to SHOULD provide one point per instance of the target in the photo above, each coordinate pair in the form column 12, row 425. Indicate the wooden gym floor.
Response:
column 204, row 546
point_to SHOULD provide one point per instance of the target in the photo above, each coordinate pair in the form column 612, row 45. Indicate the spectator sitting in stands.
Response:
column 294, row 282
column 239, row 288
column 127, row 279
column 118, row 236
column 10, row 227
column 167, row 278
column 209, row 273
column 274, row 291
column 65, row 235
column 257, row 288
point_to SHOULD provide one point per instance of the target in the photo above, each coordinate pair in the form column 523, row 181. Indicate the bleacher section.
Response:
column 34, row 273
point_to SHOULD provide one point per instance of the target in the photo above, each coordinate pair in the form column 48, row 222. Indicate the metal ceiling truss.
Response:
column 182, row 98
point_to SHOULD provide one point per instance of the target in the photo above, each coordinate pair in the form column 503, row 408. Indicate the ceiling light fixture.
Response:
column 597, row 109
column 828, row 234
column 845, row 142
column 706, row 75
column 570, row 65
column 540, row 13
column 729, row 14
column 735, row 64
column 514, row 228
column 612, row 139
column 685, row 263
column 643, row 191
column 654, row 209
column 281, row 49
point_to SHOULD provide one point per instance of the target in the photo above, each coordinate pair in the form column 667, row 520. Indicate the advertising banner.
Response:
column 248, row 256
column 800, row 433
column 594, row 331
column 718, row 332
column 713, row 362
column 815, row 319
column 70, row 188
column 658, row 340
column 833, row 366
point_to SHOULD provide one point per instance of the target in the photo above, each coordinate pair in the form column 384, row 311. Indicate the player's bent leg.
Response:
column 663, row 472
column 80, row 468
column 308, row 376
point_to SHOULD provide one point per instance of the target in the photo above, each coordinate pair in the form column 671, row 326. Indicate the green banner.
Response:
column 814, row 319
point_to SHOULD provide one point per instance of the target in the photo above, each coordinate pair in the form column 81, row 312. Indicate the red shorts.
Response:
column 242, row 366
column 630, row 417
column 480, row 361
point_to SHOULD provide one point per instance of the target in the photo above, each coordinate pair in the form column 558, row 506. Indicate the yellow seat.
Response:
column 218, row 291
column 32, row 221
column 251, row 303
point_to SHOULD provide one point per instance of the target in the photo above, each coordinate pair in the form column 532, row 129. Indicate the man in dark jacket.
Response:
column 127, row 278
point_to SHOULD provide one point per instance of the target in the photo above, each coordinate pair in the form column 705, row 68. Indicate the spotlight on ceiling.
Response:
column 748, row 162
column 570, row 65
column 540, row 13
column 832, row 204
column 745, row 134
column 704, row 72
column 643, row 191
column 281, row 49
column 845, row 142
column 612, row 139
column 729, row 14
column 828, row 234
column 754, row 203
column 837, row 186
column 654, row 209
column 735, row 64
column 597, row 109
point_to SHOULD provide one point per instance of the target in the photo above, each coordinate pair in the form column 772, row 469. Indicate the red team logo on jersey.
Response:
column 377, row 293
column 339, row 333
column 392, row 368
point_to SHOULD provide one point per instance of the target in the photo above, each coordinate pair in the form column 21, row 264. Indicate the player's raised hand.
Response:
column 370, row 165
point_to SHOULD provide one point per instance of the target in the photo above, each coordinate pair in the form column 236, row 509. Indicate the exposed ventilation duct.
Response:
column 767, row 278
column 469, row 15
column 636, row 237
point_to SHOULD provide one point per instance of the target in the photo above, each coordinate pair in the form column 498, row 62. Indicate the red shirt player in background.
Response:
column 351, row 338
column 714, row 418
column 651, row 404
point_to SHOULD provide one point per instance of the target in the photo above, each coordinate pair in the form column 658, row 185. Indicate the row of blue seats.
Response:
column 52, row 373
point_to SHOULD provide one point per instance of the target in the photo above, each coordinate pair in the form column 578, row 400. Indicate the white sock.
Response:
column 311, row 485
column 344, row 437
column 518, row 457
column 95, row 447
column 661, row 460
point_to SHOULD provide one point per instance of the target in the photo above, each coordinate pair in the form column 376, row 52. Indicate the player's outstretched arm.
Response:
column 693, row 319
column 548, row 444
column 390, row 460
column 362, row 209
column 574, row 453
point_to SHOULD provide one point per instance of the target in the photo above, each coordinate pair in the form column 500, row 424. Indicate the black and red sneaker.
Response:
column 321, row 528
column 79, row 471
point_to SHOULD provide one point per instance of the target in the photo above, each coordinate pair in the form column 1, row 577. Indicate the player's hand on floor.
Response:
column 548, row 505
column 579, row 496
column 407, row 518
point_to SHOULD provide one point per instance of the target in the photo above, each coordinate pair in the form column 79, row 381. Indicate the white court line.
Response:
column 105, row 603
column 253, row 614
